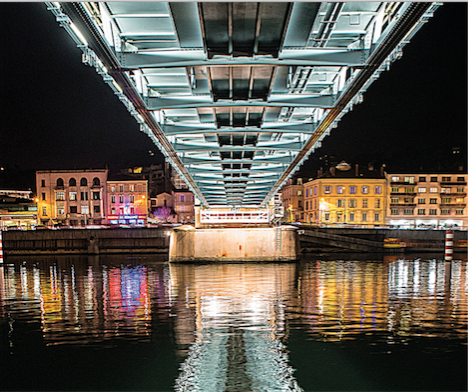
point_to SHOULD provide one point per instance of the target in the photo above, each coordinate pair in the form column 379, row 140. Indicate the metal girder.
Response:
column 289, row 57
column 170, row 130
column 180, row 147
column 209, row 161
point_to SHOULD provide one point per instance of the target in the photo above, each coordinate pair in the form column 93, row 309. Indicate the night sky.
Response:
column 57, row 113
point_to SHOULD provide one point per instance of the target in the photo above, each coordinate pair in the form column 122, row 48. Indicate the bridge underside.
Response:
column 237, row 95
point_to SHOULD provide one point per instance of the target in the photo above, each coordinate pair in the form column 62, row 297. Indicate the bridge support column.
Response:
column 233, row 244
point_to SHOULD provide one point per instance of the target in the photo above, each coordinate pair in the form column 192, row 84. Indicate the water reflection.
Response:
column 239, row 313
column 231, row 324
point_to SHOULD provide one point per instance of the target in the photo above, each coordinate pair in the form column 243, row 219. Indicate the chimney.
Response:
column 357, row 170
column 332, row 171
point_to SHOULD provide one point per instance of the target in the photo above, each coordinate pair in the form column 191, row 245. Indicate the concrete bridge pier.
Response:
column 188, row 244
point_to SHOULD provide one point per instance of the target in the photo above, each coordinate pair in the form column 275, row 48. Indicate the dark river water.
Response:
column 326, row 323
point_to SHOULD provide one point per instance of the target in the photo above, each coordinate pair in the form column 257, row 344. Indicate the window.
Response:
column 315, row 190
column 432, row 201
column 112, row 199
column 364, row 203
column 85, row 209
column 433, row 179
column 60, row 211
column 445, row 211
column 421, row 190
column 60, row 195
column 446, row 179
column 59, row 181
column 422, row 179
column 378, row 190
column 377, row 203
column 340, row 203
column 132, row 188
column 120, row 188
column 182, row 208
column 432, row 212
column 460, row 190
column 84, row 195
column 365, row 189
column 352, row 203
column 459, row 200
column 364, row 216
column 376, row 217
column 182, row 198
column 121, row 199
column 315, row 203
column 132, row 211
column 96, row 195
column 407, row 199
column 299, row 193
column 395, row 190
column 132, row 198
column 408, row 211
column 72, row 182
column 121, row 211
column 326, row 189
column 72, row 195
column 352, row 190
column 339, row 190
column 112, row 188
column 83, row 182
column 44, row 211
column 307, row 205
column 409, row 180
column 433, row 190
column 351, row 216
column 409, row 190
column 299, row 203
column 43, row 183
column 193, row 198
column 43, row 196
column 307, row 193
column 97, row 209
column 421, row 201
column 395, row 179
column 459, row 211
column 445, row 201
column 327, row 216
column 445, row 190
column 394, row 211
column 73, row 209
column 460, row 179
column 96, row 181
column 113, row 211
column 421, row 211
column 395, row 199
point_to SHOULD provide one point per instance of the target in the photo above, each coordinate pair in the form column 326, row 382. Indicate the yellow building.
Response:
column 346, row 197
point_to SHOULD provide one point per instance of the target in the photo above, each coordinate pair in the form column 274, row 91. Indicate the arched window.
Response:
column 72, row 182
column 59, row 181
column 96, row 181
column 83, row 182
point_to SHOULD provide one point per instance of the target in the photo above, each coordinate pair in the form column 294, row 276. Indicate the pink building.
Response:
column 127, row 202
column 184, row 205
column 71, row 197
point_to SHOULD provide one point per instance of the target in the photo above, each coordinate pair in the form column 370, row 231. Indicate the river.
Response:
column 326, row 323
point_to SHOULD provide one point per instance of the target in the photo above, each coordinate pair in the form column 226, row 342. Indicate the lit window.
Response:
column 421, row 201
column 112, row 211
column 432, row 212
column 445, row 190
column 394, row 211
column 339, row 190
column 352, row 190
column 459, row 200
column 326, row 189
column 60, row 211
column 85, row 209
column 60, row 195
column 432, row 201
column 299, row 193
column 132, row 188
column 72, row 195
column 421, row 190
column 365, row 189
column 433, row 190
column 378, row 190
column 421, row 211
column 395, row 179
column 315, row 190
column 112, row 188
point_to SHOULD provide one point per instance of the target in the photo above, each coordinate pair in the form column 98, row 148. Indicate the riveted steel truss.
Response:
column 237, row 95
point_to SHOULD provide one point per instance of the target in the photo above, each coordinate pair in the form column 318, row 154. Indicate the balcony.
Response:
column 403, row 193
column 402, row 204
column 452, row 183
column 402, row 183
column 446, row 205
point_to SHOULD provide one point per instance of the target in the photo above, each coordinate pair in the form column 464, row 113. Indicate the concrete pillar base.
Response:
column 233, row 244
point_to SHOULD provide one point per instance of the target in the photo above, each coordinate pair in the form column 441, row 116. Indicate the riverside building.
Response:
column 71, row 197
column 427, row 200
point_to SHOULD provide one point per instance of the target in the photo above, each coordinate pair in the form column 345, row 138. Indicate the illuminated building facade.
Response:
column 71, row 197
column 293, row 201
column 184, row 205
column 427, row 200
column 17, row 210
column 127, row 202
